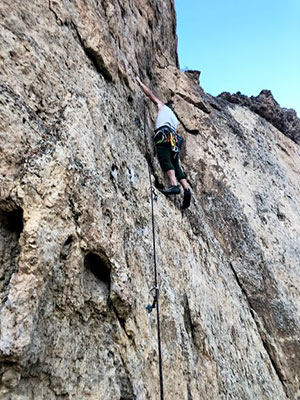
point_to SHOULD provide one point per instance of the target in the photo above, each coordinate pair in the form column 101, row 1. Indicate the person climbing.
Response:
column 168, row 146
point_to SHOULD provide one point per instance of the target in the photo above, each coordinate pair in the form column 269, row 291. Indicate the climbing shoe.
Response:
column 186, row 198
column 171, row 190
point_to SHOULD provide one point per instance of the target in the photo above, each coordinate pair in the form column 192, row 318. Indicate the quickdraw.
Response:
column 174, row 142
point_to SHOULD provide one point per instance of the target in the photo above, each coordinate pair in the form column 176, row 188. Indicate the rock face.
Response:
column 75, row 218
column 267, row 107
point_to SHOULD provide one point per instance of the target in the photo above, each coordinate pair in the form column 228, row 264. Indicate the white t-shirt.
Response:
column 166, row 117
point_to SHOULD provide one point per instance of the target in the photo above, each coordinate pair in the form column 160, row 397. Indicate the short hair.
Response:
column 170, row 104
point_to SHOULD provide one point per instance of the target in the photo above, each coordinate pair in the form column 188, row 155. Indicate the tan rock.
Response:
column 76, row 250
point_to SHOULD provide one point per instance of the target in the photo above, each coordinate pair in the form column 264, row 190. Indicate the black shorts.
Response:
column 169, row 160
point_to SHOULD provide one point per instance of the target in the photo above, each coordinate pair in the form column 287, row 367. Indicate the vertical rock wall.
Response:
column 75, row 225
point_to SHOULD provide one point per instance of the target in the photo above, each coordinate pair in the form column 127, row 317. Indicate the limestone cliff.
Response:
column 267, row 107
column 75, row 218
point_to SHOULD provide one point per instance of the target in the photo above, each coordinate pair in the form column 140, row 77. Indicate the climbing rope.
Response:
column 155, row 290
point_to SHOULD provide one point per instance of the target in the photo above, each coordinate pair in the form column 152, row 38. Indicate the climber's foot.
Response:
column 171, row 190
column 186, row 198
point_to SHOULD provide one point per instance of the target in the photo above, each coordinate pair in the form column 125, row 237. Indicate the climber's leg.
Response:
column 164, row 158
column 182, row 179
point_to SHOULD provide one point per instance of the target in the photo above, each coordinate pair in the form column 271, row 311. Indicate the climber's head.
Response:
column 170, row 104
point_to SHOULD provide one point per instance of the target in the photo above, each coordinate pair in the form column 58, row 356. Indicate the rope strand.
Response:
column 156, row 295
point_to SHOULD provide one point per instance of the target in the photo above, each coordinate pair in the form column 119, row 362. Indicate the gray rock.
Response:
column 266, row 106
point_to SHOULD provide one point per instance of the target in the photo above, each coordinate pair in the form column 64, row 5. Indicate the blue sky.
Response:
column 242, row 45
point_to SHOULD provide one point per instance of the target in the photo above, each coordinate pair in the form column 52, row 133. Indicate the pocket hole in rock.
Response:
column 14, row 221
column 94, row 263
column 11, row 226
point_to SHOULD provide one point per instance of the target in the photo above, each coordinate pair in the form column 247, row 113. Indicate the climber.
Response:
column 168, row 145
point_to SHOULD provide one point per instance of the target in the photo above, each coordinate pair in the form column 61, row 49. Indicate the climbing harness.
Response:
column 166, row 134
column 155, row 290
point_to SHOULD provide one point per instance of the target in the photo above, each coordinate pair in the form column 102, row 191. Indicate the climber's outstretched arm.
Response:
column 150, row 94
